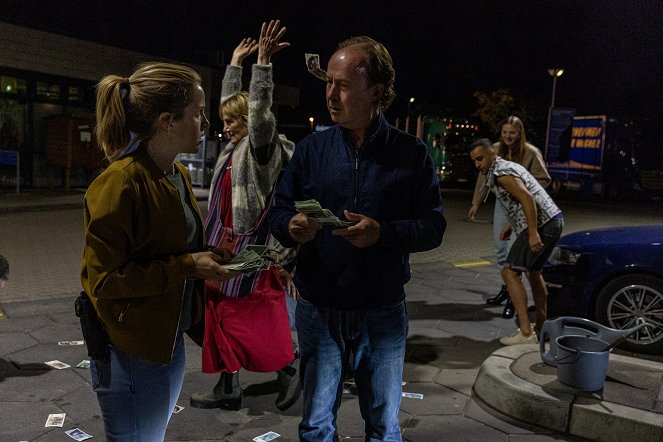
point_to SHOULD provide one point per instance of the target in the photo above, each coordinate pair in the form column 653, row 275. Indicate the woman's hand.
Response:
column 269, row 43
column 288, row 283
column 472, row 212
column 209, row 266
column 245, row 48
column 505, row 234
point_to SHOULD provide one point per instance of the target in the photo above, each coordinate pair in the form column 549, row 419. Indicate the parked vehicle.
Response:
column 592, row 154
column 649, row 147
column 448, row 141
column 613, row 276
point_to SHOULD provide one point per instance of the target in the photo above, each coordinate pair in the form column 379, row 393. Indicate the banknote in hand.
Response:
column 312, row 209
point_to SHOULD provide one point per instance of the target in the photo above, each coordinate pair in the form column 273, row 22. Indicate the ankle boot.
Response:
column 290, row 387
column 498, row 299
column 226, row 394
column 508, row 311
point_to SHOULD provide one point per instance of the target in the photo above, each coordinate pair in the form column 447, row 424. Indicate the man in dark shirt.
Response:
column 351, row 279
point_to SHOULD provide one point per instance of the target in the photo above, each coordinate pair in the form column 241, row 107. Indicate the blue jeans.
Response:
column 137, row 396
column 327, row 338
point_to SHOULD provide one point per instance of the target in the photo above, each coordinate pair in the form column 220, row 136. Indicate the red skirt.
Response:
column 251, row 332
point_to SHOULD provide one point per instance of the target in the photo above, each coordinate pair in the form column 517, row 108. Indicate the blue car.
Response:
column 613, row 276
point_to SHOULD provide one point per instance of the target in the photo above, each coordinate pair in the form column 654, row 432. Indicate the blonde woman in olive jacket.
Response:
column 143, row 245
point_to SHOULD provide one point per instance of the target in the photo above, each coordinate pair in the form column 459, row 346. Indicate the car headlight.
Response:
column 562, row 256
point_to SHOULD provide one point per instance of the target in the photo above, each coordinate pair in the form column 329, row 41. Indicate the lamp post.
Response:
column 407, row 118
column 554, row 73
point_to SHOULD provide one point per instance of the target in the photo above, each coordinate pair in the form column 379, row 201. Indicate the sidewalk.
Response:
column 453, row 360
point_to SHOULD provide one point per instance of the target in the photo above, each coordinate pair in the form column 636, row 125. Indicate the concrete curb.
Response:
column 560, row 408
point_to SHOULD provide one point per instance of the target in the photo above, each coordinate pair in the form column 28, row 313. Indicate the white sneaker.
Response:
column 520, row 338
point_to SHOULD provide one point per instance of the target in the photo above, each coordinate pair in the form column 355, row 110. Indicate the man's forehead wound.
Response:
column 362, row 70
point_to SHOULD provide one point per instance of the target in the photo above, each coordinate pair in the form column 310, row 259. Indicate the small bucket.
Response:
column 582, row 362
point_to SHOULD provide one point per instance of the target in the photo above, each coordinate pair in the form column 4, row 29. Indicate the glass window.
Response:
column 48, row 90
column 12, row 85
column 12, row 124
column 75, row 93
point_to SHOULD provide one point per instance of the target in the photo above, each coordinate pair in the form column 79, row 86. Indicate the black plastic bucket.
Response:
column 582, row 362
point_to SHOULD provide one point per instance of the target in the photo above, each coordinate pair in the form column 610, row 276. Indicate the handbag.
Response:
column 253, row 332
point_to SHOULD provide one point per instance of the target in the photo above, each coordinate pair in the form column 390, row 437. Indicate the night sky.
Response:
column 443, row 50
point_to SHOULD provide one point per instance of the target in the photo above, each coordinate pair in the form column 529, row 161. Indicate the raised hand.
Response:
column 269, row 42
column 245, row 48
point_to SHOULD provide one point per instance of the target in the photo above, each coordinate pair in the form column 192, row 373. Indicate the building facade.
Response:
column 44, row 75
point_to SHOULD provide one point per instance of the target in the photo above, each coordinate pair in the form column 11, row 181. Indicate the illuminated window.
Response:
column 48, row 90
column 75, row 93
column 12, row 85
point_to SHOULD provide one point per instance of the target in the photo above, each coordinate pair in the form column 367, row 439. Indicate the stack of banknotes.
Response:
column 313, row 210
column 250, row 259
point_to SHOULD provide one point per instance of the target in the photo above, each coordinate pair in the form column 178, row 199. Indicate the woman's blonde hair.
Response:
column 133, row 104
column 518, row 150
column 236, row 107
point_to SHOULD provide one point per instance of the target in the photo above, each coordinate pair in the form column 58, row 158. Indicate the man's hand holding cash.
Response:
column 313, row 210
column 363, row 233
column 311, row 218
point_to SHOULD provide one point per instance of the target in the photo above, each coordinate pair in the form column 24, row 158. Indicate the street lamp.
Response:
column 554, row 73
column 311, row 121
column 407, row 118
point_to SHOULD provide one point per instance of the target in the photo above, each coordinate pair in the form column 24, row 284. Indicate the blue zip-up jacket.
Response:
column 390, row 179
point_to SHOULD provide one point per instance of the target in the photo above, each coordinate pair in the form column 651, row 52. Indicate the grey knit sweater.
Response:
column 253, row 182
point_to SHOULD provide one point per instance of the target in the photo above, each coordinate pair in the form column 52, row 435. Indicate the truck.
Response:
column 592, row 154
column 448, row 140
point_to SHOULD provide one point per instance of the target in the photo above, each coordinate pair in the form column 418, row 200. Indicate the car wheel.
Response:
column 624, row 301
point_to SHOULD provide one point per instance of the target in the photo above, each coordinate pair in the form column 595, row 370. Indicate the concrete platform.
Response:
column 515, row 382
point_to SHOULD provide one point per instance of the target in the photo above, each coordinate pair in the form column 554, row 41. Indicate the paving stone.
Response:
column 52, row 334
column 53, row 384
column 449, row 427
column 81, row 403
column 69, row 354
column 24, row 324
column 413, row 372
column 285, row 426
column 25, row 420
column 13, row 342
column 437, row 400
column 44, row 307
column 457, row 379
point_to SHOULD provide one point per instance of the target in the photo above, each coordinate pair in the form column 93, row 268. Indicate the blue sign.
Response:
column 558, row 138
column 9, row 157
column 587, row 142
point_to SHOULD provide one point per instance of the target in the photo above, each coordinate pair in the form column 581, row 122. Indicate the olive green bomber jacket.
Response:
column 135, row 258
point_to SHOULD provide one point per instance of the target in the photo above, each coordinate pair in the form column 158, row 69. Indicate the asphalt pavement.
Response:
column 467, row 387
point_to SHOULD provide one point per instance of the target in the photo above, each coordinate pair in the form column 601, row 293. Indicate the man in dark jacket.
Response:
column 351, row 279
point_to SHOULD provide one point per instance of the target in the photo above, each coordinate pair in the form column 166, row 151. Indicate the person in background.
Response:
column 352, row 306
column 243, row 180
column 513, row 146
column 4, row 271
column 537, row 223
column 144, row 245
